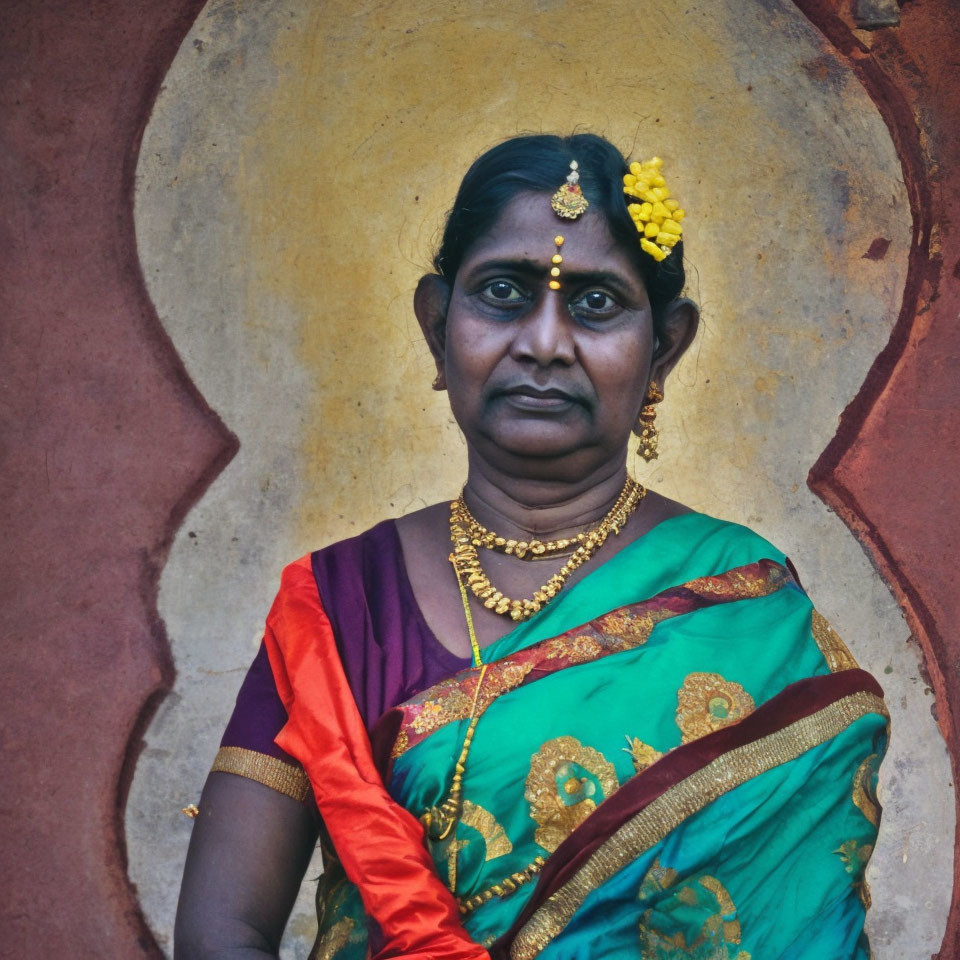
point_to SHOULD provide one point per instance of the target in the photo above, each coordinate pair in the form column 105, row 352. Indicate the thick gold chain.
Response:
column 468, row 535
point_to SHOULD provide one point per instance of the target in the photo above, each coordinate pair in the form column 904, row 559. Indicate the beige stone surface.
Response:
column 291, row 186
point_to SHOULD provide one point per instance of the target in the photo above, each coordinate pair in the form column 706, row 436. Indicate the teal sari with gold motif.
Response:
column 676, row 758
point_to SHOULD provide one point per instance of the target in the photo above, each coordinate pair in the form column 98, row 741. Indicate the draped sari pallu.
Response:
column 677, row 758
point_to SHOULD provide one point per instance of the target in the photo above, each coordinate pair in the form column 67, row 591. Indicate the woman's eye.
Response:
column 502, row 291
column 595, row 301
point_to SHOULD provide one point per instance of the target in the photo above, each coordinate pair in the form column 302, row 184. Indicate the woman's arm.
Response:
column 248, row 853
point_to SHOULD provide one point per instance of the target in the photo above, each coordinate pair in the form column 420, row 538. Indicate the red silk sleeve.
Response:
column 378, row 841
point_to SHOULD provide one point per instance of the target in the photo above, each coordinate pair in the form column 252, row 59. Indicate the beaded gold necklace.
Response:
column 467, row 534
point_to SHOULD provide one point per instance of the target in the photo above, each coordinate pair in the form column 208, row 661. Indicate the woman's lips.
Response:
column 532, row 398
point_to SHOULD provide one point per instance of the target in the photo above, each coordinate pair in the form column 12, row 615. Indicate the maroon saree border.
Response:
column 795, row 702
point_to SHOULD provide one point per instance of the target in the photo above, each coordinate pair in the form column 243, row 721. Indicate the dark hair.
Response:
column 541, row 163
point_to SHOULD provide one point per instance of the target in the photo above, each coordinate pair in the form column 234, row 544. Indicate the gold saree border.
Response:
column 626, row 628
column 272, row 772
column 834, row 650
column 665, row 813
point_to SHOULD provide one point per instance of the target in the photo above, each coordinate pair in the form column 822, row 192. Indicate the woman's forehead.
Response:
column 527, row 228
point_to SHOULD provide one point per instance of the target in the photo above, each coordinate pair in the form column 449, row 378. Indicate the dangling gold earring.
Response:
column 646, row 429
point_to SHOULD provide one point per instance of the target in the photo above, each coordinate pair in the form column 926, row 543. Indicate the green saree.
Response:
column 676, row 758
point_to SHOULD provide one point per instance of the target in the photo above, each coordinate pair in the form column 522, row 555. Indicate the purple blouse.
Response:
column 388, row 652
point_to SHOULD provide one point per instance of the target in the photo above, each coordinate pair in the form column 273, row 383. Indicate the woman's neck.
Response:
column 521, row 508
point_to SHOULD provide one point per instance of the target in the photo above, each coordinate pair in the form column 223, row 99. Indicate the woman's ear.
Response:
column 430, row 302
column 675, row 332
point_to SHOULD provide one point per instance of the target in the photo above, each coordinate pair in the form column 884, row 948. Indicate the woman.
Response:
column 604, row 726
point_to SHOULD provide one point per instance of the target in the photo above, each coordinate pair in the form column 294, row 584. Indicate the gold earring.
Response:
column 645, row 429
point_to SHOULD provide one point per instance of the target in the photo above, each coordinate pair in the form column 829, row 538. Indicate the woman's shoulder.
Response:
column 380, row 536
column 346, row 568
column 687, row 529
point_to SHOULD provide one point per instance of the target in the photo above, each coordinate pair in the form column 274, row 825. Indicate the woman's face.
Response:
column 538, row 376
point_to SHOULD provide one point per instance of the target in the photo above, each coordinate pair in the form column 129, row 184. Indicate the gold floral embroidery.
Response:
column 579, row 649
column 854, row 855
column 864, row 792
column 513, row 675
column 728, row 911
column 706, row 927
column 429, row 717
column 707, row 702
column 497, row 842
column 680, row 802
column 642, row 753
column 330, row 944
column 625, row 628
column 834, row 650
column 657, row 879
column 734, row 583
column 555, row 649
column 400, row 744
column 566, row 782
column 623, row 624
column 584, row 648
column 437, row 713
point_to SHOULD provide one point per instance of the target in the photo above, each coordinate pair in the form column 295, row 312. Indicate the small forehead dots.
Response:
column 556, row 260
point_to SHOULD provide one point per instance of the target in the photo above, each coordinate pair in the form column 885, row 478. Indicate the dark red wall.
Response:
column 106, row 443
column 893, row 470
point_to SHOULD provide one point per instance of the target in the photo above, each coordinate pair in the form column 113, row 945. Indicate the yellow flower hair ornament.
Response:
column 658, row 216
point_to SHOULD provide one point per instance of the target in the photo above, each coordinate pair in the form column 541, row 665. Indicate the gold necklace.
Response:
column 467, row 534
column 521, row 549
column 440, row 820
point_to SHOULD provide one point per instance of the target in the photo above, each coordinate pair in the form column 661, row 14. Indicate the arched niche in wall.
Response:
column 291, row 185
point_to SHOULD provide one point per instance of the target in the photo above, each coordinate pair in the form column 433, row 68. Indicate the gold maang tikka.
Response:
column 569, row 203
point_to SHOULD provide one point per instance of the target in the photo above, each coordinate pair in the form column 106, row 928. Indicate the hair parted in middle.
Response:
column 539, row 162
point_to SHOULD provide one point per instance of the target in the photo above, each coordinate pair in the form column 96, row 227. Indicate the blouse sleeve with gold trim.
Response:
column 248, row 749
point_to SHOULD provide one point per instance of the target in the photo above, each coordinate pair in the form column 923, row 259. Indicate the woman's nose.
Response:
column 545, row 334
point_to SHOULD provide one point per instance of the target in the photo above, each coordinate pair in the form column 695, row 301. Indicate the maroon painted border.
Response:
column 922, row 273
column 107, row 445
column 912, row 75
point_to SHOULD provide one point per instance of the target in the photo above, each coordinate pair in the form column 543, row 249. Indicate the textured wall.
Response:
column 107, row 444
column 292, row 181
column 891, row 470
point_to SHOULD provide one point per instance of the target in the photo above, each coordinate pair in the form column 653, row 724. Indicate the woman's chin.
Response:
column 540, row 451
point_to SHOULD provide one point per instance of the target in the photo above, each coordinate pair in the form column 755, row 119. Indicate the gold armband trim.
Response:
column 283, row 777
